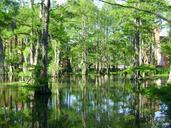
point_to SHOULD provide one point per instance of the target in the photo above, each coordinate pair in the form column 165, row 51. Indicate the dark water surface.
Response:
column 77, row 102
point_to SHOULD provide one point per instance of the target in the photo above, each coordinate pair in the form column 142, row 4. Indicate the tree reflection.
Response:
column 87, row 102
column 40, row 111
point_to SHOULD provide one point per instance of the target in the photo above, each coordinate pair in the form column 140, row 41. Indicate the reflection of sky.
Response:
column 122, row 108
column 106, row 106
column 161, row 118
column 159, row 115
column 71, row 100
column 104, row 109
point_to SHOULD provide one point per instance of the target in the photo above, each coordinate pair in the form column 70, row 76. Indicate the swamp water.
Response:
column 76, row 102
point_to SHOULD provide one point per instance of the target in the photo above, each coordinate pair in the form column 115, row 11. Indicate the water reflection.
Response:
column 97, row 102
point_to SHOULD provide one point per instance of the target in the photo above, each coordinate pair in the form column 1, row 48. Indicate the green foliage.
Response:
column 83, row 33
column 145, row 68
column 38, row 80
column 162, row 93
column 54, row 68
column 24, row 74
column 166, row 46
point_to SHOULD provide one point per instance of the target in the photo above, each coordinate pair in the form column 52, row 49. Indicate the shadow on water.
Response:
column 87, row 102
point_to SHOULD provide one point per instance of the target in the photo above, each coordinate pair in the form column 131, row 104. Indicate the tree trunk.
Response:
column 151, row 54
column 31, row 43
column 137, row 43
column 158, row 55
column 84, row 50
column 169, row 79
column 10, row 72
column 57, row 54
column 24, row 60
column 137, row 49
column 31, row 3
column 97, row 67
column 45, row 14
column 36, row 57
column 43, row 76
column 31, row 54
column 84, row 65
column 1, row 60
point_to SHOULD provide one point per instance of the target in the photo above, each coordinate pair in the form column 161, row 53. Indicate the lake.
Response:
column 79, row 102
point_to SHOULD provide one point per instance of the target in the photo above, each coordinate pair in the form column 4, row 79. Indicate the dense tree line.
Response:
column 79, row 36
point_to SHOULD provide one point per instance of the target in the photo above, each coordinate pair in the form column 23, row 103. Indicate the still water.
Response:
column 97, row 102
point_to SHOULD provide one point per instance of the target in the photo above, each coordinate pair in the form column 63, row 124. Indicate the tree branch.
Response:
column 142, row 10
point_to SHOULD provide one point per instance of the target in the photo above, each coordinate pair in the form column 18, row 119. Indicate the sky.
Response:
column 60, row 1
column 95, row 1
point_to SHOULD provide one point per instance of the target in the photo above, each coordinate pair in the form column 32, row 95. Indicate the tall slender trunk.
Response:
column 1, row 60
column 36, row 56
column 137, row 43
column 10, row 72
column 24, row 59
column 107, row 52
column 84, row 65
column 31, row 3
column 57, row 59
column 137, row 49
column 151, row 54
column 31, row 54
column 84, row 50
column 31, row 43
column 97, row 67
column 158, row 55
column 169, row 79
column 45, row 14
